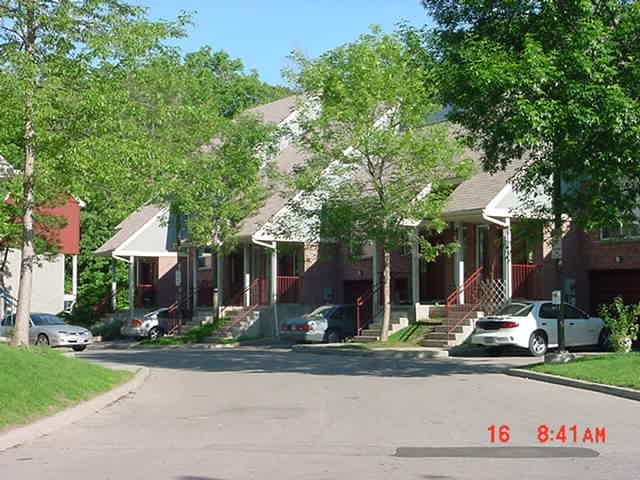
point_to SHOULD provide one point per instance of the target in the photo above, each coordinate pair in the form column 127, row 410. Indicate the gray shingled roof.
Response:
column 285, row 161
column 475, row 193
column 129, row 226
column 275, row 112
column 6, row 169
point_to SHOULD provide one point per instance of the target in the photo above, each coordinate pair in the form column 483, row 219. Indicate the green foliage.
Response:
column 373, row 151
column 621, row 321
column 109, row 330
column 555, row 81
column 118, row 116
column 40, row 381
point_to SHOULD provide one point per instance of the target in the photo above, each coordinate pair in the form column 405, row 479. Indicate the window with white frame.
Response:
column 205, row 259
column 629, row 231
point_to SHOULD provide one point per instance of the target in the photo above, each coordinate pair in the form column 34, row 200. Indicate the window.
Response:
column 204, row 259
column 9, row 321
column 548, row 310
column 629, row 231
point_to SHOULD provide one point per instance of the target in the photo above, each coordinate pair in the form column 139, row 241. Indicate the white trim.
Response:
column 136, row 253
column 492, row 205
column 122, row 248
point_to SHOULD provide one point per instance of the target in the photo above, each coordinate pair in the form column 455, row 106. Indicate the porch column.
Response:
column 114, row 285
column 247, row 275
column 220, row 277
column 374, row 275
column 74, row 276
column 506, row 258
column 415, row 271
column 132, row 279
column 194, row 276
column 274, row 274
column 458, row 267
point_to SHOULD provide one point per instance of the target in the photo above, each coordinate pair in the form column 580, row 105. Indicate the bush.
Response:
column 108, row 330
column 621, row 321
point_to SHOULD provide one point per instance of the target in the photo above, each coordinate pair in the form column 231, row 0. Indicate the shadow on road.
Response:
column 282, row 361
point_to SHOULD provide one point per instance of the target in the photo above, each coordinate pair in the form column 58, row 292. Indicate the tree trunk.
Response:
column 21, row 333
column 386, row 320
column 557, row 240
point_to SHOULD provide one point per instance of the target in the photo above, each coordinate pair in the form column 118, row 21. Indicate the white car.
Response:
column 533, row 325
column 147, row 326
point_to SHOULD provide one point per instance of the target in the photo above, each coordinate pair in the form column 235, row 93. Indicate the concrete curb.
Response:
column 45, row 426
column 383, row 353
column 628, row 393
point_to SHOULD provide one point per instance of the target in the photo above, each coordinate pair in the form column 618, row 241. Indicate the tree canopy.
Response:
column 558, row 81
column 374, row 154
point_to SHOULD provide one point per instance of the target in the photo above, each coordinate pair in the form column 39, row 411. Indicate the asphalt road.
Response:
column 272, row 414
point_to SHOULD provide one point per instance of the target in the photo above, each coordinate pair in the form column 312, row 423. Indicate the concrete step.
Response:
column 366, row 339
column 446, row 328
column 435, row 343
column 441, row 336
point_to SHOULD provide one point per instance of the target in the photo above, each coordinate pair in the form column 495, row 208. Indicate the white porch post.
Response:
column 506, row 258
column 375, row 267
column 274, row 274
column 114, row 285
column 220, row 277
column 74, row 276
column 415, row 271
column 132, row 279
column 247, row 275
column 458, row 271
column 194, row 276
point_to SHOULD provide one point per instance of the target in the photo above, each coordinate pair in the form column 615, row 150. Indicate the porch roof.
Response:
column 146, row 232
column 482, row 190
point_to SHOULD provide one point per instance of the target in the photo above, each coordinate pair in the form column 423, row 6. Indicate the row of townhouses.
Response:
column 292, row 273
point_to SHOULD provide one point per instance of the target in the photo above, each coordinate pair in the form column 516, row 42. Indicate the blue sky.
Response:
column 263, row 32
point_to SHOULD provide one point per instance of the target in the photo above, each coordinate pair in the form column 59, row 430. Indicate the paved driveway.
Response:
column 268, row 413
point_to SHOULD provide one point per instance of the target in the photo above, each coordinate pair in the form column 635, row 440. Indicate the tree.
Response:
column 375, row 159
column 557, row 81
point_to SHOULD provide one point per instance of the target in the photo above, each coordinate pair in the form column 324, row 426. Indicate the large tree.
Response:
column 94, row 106
column 375, row 159
column 558, row 82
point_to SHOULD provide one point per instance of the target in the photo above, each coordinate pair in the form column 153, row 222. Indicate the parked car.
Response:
column 329, row 323
column 51, row 330
column 147, row 326
column 533, row 325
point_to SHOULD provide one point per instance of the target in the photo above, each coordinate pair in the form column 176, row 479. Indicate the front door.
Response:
column 548, row 322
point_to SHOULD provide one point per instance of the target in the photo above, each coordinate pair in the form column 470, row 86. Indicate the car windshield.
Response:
column 46, row 320
column 516, row 309
column 321, row 311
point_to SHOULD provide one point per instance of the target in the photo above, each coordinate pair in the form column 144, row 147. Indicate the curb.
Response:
column 628, row 393
column 68, row 416
column 404, row 354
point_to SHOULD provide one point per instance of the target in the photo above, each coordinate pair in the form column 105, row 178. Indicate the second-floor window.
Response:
column 621, row 232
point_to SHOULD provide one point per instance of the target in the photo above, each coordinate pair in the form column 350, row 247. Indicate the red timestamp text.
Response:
column 553, row 434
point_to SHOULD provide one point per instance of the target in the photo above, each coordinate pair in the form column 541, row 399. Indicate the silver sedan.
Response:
column 49, row 330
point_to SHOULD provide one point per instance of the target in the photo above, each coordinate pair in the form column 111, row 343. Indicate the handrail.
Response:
column 455, row 295
column 4, row 293
column 360, row 302
column 238, row 297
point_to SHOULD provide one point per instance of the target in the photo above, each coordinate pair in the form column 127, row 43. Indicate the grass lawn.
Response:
column 41, row 381
column 195, row 335
column 408, row 337
column 622, row 369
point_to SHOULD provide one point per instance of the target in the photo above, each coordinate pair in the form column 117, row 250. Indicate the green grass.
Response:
column 408, row 337
column 195, row 335
column 41, row 381
column 622, row 369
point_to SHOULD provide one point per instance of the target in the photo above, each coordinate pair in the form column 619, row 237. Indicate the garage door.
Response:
column 607, row 284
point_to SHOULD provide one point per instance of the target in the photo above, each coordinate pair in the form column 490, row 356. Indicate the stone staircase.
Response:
column 458, row 324
column 239, row 321
column 400, row 315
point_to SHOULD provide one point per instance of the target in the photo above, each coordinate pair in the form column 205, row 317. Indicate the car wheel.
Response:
column 538, row 344
column 604, row 340
column 42, row 340
column 333, row 336
column 79, row 348
column 154, row 333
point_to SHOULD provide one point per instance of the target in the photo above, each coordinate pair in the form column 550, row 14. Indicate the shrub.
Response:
column 621, row 321
column 108, row 330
